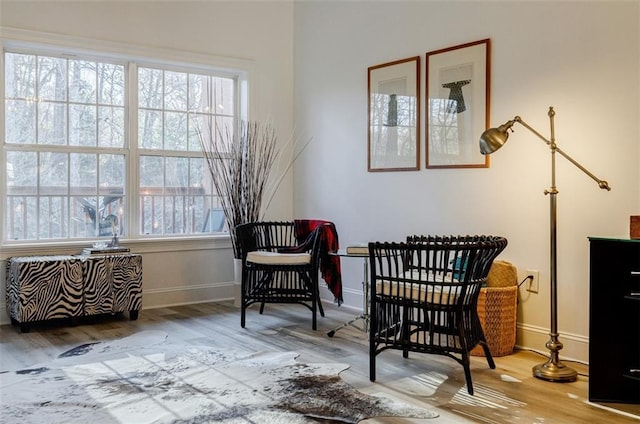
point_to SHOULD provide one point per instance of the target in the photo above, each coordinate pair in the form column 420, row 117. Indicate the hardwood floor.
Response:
column 507, row 394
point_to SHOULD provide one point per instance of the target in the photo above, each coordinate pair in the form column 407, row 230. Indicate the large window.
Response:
column 173, row 109
column 83, row 160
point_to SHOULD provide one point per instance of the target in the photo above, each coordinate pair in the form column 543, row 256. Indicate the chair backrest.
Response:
column 266, row 236
column 451, row 269
column 467, row 258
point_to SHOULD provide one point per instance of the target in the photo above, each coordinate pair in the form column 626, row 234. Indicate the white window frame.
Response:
column 44, row 43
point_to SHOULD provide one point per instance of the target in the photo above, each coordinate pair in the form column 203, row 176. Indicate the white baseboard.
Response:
column 173, row 296
column 352, row 297
column 575, row 347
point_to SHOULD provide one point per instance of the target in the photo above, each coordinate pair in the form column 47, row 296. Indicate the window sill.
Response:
column 148, row 245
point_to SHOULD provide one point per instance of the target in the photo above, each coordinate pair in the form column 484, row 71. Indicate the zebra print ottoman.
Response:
column 48, row 287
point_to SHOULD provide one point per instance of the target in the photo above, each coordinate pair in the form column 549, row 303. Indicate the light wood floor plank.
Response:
column 507, row 394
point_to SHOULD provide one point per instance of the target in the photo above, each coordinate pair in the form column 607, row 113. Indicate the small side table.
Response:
column 364, row 317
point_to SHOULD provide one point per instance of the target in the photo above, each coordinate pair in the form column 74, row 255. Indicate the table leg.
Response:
column 365, row 306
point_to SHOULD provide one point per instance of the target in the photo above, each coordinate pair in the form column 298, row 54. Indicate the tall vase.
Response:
column 237, row 282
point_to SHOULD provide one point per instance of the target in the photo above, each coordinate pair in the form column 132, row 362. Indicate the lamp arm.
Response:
column 601, row 183
column 530, row 128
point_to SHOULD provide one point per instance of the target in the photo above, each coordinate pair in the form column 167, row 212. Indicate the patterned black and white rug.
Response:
column 144, row 378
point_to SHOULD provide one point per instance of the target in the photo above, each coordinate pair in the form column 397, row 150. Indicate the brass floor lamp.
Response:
column 490, row 141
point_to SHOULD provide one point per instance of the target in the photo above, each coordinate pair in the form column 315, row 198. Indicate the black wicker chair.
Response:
column 271, row 275
column 424, row 294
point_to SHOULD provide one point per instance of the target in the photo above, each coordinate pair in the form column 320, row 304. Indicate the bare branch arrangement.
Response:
column 240, row 167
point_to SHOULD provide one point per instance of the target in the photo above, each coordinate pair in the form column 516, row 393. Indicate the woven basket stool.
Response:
column 497, row 309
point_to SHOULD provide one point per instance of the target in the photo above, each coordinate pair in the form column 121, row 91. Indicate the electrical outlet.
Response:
column 533, row 283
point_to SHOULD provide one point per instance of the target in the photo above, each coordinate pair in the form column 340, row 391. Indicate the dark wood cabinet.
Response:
column 614, row 320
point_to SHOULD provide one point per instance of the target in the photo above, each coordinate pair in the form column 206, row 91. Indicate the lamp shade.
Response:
column 494, row 138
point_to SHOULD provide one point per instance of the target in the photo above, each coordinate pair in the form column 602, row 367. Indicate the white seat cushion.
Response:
column 274, row 258
column 440, row 291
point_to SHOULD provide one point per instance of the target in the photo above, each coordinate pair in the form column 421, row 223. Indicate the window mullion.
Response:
column 133, row 163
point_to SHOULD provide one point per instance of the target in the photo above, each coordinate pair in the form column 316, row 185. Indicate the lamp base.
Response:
column 555, row 371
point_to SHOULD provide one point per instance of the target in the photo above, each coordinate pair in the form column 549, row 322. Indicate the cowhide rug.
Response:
column 146, row 379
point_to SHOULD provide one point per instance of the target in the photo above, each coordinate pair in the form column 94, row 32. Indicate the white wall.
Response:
column 580, row 57
column 256, row 33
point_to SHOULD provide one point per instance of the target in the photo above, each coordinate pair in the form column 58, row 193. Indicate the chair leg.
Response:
column 467, row 372
column 404, row 335
column 373, row 328
column 372, row 363
column 487, row 354
column 319, row 304
column 315, row 292
column 314, row 324
column 314, row 312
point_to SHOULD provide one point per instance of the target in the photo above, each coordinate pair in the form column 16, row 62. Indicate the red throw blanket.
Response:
column 329, row 264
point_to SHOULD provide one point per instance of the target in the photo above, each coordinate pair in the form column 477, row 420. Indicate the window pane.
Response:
column 111, row 83
column 52, row 75
column 22, row 172
column 83, row 178
column 83, row 217
column 22, row 217
column 54, row 169
column 175, row 131
column 112, row 209
column 198, row 176
column 150, row 129
column 82, row 125
column 20, row 121
column 112, row 175
column 199, row 125
column 177, row 173
column 174, row 216
column 211, row 94
column 151, row 214
column 52, row 217
column 111, row 126
column 91, row 210
column 206, row 218
column 52, row 123
column 151, row 172
column 82, row 81
column 224, row 96
column 20, row 76
column 150, row 88
column 200, row 93
column 175, row 91
column 211, row 131
column 203, row 199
